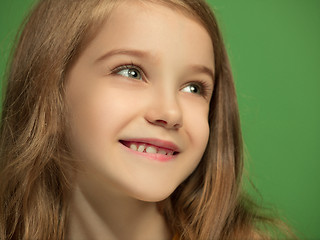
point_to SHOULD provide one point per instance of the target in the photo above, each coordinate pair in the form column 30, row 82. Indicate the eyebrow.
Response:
column 202, row 69
column 130, row 52
column 144, row 54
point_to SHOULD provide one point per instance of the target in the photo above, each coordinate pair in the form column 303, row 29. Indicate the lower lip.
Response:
column 152, row 156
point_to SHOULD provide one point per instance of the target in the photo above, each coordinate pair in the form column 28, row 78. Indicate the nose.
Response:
column 165, row 111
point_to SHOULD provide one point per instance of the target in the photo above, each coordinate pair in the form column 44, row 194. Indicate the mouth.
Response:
column 151, row 147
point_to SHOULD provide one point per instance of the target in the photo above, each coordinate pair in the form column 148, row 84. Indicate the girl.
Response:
column 120, row 121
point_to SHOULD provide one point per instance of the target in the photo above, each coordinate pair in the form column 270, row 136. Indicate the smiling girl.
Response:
column 120, row 121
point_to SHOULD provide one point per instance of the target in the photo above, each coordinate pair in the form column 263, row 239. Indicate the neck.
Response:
column 94, row 215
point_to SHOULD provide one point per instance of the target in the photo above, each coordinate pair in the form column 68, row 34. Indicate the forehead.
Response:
column 155, row 28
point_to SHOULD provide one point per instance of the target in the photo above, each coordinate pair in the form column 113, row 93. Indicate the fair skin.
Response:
column 155, row 101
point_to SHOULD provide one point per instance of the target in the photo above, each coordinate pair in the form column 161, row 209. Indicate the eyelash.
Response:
column 204, row 86
column 129, row 66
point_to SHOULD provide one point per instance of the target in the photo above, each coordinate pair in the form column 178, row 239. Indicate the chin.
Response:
column 154, row 195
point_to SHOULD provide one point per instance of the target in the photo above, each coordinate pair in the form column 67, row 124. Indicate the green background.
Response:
column 274, row 48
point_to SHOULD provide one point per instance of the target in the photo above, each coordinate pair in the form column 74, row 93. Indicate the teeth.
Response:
column 141, row 148
column 170, row 153
column 151, row 150
column 162, row 152
column 134, row 147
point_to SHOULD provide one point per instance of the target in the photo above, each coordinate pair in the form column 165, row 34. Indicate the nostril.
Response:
column 161, row 122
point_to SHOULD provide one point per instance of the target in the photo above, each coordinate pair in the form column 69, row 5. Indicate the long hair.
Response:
column 36, row 165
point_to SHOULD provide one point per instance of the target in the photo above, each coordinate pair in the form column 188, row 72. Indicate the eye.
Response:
column 129, row 71
column 201, row 88
column 194, row 88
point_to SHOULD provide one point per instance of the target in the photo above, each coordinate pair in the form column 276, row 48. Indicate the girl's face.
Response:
column 139, row 101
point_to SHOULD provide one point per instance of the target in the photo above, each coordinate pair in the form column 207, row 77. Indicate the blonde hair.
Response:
column 36, row 163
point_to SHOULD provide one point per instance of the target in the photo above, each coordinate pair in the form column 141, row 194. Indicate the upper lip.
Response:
column 156, row 142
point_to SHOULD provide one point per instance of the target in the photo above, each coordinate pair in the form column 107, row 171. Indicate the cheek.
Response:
column 196, row 124
column 89, row 117
column 197, row 131
column 199, row 136
column 97, row 114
